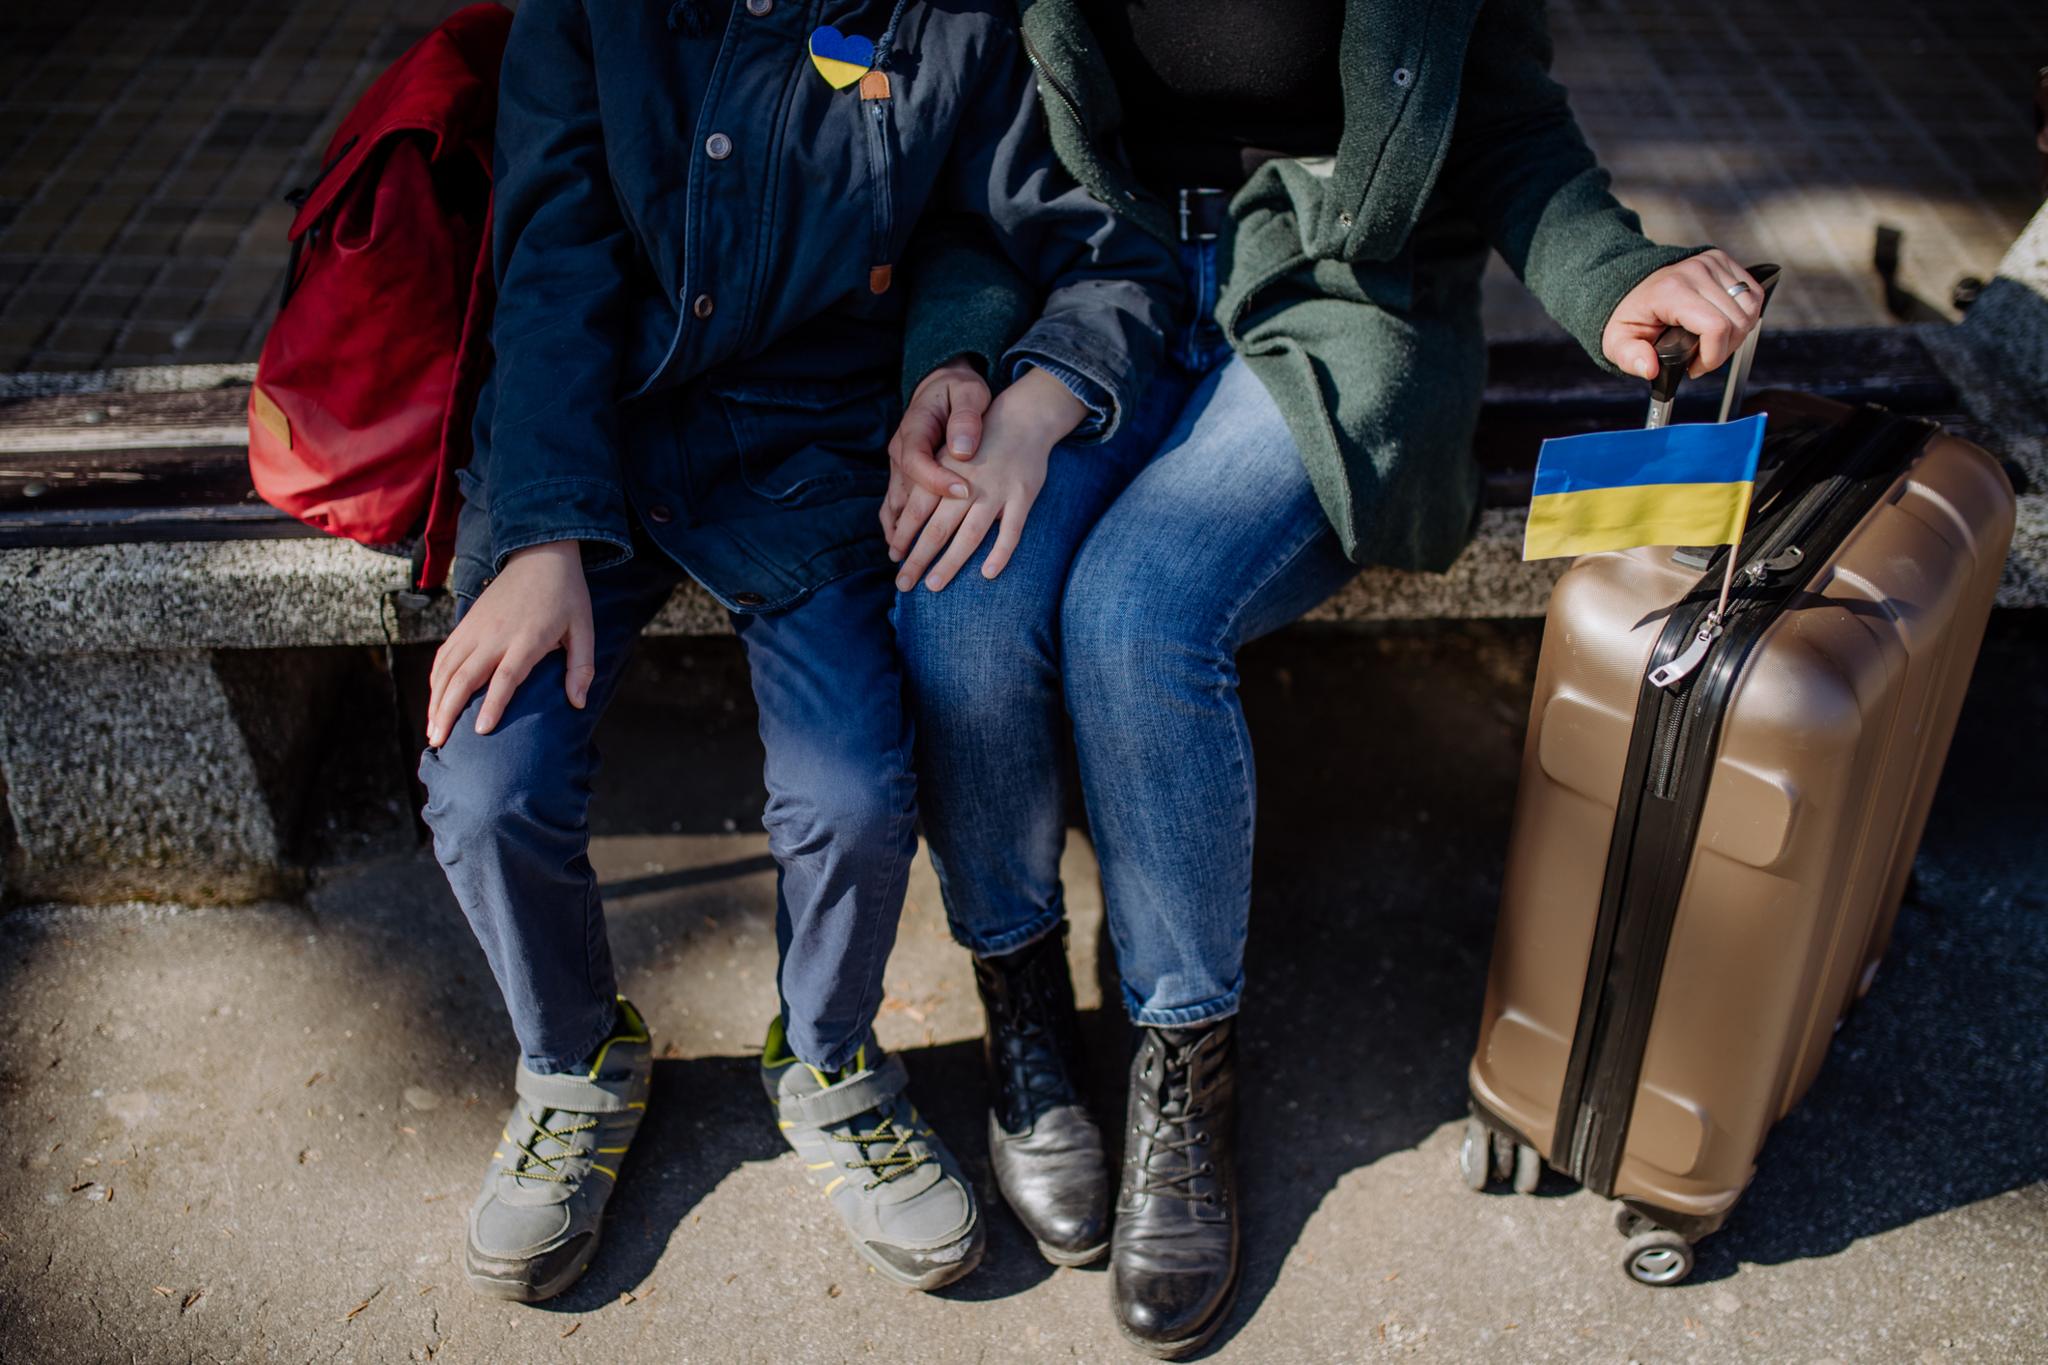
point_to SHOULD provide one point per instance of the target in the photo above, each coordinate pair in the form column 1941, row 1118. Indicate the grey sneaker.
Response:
column 893, row 1183
column 533, row 1229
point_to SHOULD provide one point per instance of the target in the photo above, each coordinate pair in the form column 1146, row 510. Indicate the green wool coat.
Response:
column 1351, row 288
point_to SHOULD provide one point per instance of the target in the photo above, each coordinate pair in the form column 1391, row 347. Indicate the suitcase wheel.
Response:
column 1528, row 1170
column 1657, row 1257
column 1475, row 1155
column 1485, row 1156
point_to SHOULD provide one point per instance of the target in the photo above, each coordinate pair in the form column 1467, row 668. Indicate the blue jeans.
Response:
column 509, row 813
column 1147, row 562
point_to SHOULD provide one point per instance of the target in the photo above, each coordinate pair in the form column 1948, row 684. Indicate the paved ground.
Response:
column 144, row 149
column 250, row 1134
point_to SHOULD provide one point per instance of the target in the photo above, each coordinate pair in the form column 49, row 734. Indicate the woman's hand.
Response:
column 538, row 605
column 1003, row 476
column 945, row 410
column 1692, row 294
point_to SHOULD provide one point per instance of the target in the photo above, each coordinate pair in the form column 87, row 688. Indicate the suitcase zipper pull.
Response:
column 1759, row 573
column 1682, row 667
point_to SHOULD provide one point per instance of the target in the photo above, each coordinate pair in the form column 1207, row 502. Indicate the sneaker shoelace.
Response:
column 895, row 1162
column 533, row 1164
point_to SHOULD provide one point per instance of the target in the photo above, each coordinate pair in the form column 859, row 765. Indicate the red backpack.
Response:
column 360, row 413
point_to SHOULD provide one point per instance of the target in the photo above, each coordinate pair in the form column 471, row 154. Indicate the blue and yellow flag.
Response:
column 1615, row 490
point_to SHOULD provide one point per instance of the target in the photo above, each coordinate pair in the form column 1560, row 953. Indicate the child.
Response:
column 698, row 345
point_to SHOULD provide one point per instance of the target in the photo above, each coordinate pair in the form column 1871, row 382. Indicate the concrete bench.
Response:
column 169, row 642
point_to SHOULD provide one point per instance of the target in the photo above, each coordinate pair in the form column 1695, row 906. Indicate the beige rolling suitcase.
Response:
column 1704, row 867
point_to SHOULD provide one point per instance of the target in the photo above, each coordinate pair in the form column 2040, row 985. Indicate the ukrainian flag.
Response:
column 1615, row 490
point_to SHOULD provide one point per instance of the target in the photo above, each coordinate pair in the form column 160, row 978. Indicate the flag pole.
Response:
column 1731, row 403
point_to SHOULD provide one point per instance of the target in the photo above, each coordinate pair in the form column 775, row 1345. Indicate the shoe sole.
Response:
column 513, row 1290
column 938, row 1277
column 1174, row 1350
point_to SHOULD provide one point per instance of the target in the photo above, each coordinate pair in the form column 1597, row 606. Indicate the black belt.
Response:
column 1202, row 213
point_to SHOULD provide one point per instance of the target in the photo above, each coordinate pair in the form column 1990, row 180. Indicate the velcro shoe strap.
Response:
column 857, row 1094
column 576, row 1093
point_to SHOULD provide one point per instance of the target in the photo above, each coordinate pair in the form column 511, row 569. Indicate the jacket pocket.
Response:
column 801, row 443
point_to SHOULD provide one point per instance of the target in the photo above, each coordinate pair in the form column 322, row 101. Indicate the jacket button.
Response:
column 1402, row 76
column 748, row 599
column 718, row 146
column 757, row 8
column 660, row 514
column 703, row 306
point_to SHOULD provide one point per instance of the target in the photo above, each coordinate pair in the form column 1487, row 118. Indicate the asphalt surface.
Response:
column 251, row 1134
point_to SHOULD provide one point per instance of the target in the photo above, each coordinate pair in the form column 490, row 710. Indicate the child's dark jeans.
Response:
column 509, row 815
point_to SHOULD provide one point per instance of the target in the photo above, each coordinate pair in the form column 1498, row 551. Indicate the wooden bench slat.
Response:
column 119, row 455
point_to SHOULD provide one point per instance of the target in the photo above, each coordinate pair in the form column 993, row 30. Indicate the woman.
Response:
column 1332, row 176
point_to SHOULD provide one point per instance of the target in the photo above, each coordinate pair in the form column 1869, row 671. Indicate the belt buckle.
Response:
column 1186, row 214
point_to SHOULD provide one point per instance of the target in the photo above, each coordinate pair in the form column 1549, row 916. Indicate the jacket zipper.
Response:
column 1053, row 83
column 1678, row 730
column 884, row 186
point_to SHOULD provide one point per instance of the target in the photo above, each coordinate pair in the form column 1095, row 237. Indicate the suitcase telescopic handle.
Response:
column 1677, row 347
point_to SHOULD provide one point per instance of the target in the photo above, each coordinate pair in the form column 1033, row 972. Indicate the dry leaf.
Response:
column 832, row 1291
column 570, row 1330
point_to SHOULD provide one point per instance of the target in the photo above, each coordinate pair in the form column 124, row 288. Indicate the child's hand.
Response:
column 1692, row 294
column 1024, row 423
column 538, row 605
column 946, row 409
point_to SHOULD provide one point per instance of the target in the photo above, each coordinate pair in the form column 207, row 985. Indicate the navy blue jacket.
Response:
column 698, row 332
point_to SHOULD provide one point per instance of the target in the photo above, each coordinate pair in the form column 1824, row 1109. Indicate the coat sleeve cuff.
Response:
column 1101, row 404
column 591, row 511
column 1091, row 369
column 1619, row 266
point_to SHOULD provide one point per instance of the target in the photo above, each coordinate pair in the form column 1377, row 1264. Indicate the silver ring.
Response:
column 1738, row 289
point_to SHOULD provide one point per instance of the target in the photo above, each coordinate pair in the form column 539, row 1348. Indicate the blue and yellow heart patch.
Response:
column 840, row 58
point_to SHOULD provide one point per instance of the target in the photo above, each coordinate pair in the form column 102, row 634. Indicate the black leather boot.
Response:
column 1046, row 1150
column 1173, row 1259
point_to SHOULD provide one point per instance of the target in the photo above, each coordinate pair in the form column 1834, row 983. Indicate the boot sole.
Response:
column 1087, row 1256
column 1174, row 1350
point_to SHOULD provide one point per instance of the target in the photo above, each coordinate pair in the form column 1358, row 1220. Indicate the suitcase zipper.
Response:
column 1677, row 731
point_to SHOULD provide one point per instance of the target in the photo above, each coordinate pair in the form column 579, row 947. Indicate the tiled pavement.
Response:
column 144, row 148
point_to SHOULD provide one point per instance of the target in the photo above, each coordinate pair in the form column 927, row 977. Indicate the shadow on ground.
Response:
column 293, row 1103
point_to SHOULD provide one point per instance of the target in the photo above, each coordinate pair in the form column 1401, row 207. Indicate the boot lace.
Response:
column 1169, row 1131
column 1032, row 1048
column 534, row 1164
